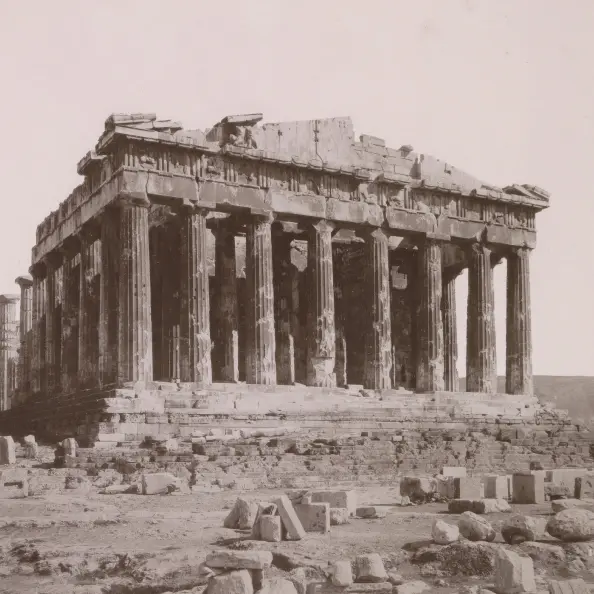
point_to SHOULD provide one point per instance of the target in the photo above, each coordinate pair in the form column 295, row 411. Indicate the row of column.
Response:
column 117, row 346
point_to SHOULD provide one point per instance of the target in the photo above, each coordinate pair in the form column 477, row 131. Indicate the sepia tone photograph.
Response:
column 296, row 297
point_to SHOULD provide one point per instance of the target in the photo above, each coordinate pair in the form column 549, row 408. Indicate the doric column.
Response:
column 481, row 373
column 135, row 342
column 227, row 328
column 26, row 323
column 378, row 347
column 195, row 343
column 88, row 320
column 321, row 332
column 70, row 309
column 52, row 341
column 37, row 317
column 108, row 297
column 261, row 340
column 8, row 348
column 519, row 330
column 450, row 329
column 429, row 324
column 340, row 368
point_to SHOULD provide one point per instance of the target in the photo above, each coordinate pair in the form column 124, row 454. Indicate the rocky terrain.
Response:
column 77, row 531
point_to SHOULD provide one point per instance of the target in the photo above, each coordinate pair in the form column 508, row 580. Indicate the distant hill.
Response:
column 572, row 393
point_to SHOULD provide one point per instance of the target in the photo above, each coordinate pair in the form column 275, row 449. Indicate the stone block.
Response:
column 277, row 586
column 468, row 488
column 234, row 582
column 379, row 588
column 239, row 559
column 445, row 486
column 159, row 483
column 265, row 508
column 513, row 574
column 7, row 450
column 292, row 523
column 270, row 528
column 454, row 471
column 528, row 487
column 346, row 499
column 370, row 512
column 69, row 444
column 584, row 487
column 496, row 487
column 564, row 476
column 342, row 573
column 339, row 516
column 314, row 517
column 370, row 568
column 575, row 586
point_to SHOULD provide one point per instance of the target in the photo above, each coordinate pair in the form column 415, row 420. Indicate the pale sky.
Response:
column 503, row 89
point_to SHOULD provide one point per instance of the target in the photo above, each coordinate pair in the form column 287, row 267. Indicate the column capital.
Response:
column 91, row 230
column 518, row 250
column 9, row 298
column 190, row 206
column 262, row 216
column 129, row 199
column 24, row 281
column 70, row 246
column 451, row 273
column 437, row 237
column 375, row 233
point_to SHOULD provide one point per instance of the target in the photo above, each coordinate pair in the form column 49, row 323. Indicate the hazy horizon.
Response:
column 502, row 90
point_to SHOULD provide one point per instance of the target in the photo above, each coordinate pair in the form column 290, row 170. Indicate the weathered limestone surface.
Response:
column 25, row 328
column 9, row 337
column 519, row 331
column 261, row 343
column 226, row 336
column 378, row 346
column 321, row 330
column 109, row 306
column 52, row 340
column 430, row 368
column 283, row 307
column 195, row 344
column 481, row 370
column 135, row 341
column 450, row 337
column 352, row 285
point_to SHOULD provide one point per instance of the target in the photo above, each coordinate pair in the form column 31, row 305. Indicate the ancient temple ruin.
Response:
column 270, row 254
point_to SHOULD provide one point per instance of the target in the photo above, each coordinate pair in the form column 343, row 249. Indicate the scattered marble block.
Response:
column 513, row 574
column 370, row 568
column 314, row 517
column 528, row 487
column 496, row 487
column 454, row 471
column 270, row 528
column 342, row 574
column 339, row 516
column 290, row 518
column 69, row 445
column 7, row 450
column 346, row 499
column 575, row 586
column 239, row 559
column 468, row 488
column 584, row 487
column 234, row 582
column 370, row 512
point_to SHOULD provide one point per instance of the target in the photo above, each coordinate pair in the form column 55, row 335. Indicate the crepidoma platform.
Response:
column 283, row 262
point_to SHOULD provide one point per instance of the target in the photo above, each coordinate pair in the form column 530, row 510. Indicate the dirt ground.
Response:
column 59, row 540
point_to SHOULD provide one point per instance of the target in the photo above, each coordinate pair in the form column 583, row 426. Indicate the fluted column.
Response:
column 450, row 330
column 195, row 343
column 227, row 328
column 481, row 373
column 37, row 317
column 283, row 307
column 261, row 340
column 429, row 324
column 52, row 341
column 519, row 328
column 8, row 348
column 340, row 368
column 25, row 327
column 135, row 343
column 108, row 297
column 70, row 322
column 88, row 319
column 321, row 332
column 378, row 347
